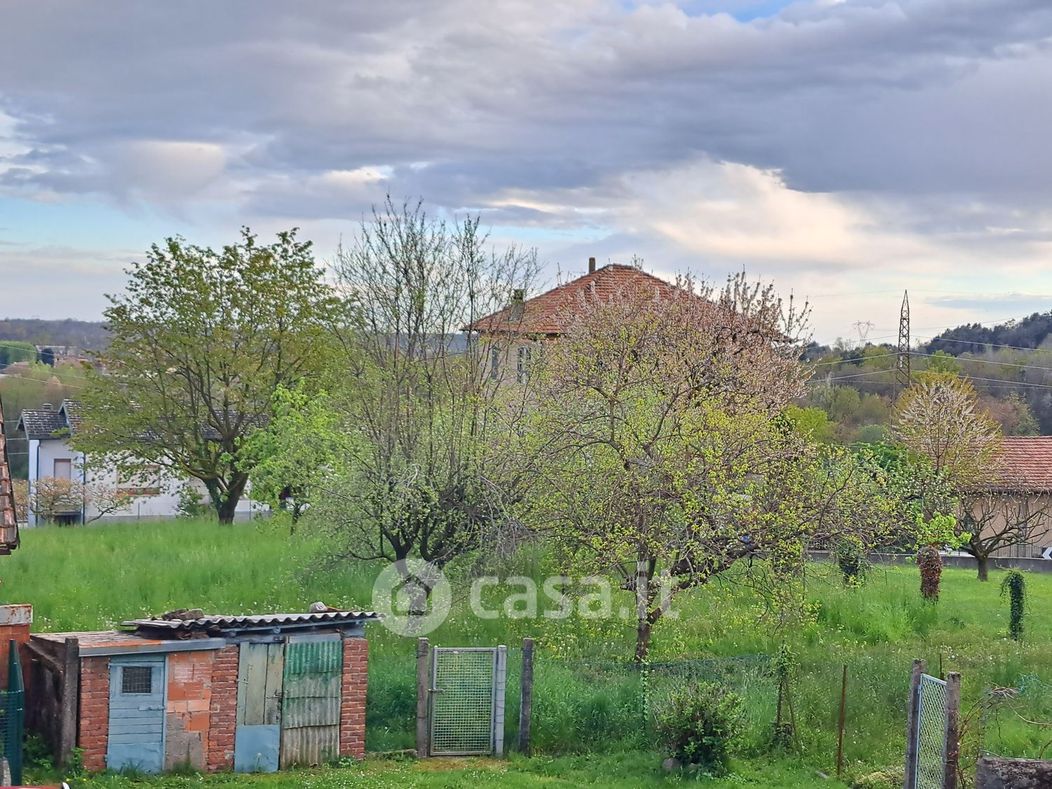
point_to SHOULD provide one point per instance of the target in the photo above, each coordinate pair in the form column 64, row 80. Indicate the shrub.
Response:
column 1014, row 585
column 851, row 558
column 699, row 722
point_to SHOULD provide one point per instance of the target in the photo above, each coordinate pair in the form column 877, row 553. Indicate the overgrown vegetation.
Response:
column 588, row 698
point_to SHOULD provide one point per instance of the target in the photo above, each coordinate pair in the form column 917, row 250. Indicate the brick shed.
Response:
column 248, row 693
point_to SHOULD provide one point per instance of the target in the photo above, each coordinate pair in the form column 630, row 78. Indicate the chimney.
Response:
column 47, row 407
column 518, row 299
column 591, row 265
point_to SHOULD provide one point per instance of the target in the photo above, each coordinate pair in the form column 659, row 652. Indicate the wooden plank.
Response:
column 423, row 697
column 526, row 696
column 274, row 687
column 252, row 673
column 912, row 721
column 70, row 674
column 953, row 729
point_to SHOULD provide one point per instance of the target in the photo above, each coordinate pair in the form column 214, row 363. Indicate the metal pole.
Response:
column 912, row 721
column 840, row 725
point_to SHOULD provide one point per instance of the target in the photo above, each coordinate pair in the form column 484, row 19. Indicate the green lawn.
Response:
column 588, row 700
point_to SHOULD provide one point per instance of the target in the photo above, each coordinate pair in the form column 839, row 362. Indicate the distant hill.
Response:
column 88, row 335
column 1028, row 332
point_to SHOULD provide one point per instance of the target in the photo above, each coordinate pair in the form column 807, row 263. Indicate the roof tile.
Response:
column 553, row 311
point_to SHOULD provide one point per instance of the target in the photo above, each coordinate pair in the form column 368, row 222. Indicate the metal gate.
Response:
column 931, row 732
column 467, row 701
column 310, row 709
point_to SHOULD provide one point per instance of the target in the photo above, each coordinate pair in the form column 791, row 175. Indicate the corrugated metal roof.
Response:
column 220, row 623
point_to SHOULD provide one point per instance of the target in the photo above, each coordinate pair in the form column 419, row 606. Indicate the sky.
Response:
column 846, row 150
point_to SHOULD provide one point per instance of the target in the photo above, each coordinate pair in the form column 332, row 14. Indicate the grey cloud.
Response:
column 892, row 96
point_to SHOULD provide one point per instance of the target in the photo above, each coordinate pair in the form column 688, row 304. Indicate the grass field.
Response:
column 588, row 700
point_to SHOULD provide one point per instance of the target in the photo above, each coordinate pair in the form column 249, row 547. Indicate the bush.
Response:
column 698, row 724
column 851, row 558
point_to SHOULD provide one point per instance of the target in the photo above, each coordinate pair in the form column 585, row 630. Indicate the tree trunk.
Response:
column 225, row 502
column 983, row 563
column 644, row 627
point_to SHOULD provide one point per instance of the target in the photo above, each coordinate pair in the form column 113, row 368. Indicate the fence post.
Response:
column 499, row 690
column 423, row 698
column 841, row 719
column 67, row 737
column 526, row 696
column 912, row 721
column 15, row 710
column 953, row 746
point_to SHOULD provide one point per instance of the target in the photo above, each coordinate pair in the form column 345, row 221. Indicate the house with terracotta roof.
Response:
column 151, row 494
column 515, row 333
column 8, row 514
column 1012, row 515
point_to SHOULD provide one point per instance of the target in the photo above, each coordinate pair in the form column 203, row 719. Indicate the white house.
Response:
column 153, row 495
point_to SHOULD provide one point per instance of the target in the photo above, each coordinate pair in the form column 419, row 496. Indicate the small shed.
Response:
column 248, row 693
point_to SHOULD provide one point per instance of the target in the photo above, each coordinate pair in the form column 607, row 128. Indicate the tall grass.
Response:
column 587, row 695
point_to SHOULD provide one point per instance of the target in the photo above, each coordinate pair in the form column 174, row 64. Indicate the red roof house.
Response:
column 552, row 312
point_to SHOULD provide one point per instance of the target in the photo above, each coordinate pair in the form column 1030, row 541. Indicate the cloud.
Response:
column 861, row 145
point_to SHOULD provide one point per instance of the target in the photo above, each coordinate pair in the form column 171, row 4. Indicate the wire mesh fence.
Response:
column 931, row 732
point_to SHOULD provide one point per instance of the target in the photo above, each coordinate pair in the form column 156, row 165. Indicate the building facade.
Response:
column 150, row 494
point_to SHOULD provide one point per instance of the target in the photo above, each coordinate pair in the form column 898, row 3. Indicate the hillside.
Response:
column 88, row 335
column 1010, row 365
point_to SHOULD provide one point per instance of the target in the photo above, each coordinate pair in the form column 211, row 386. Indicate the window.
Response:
column 494, row 363
column 523, row 369
column 63, row 468
column 137, row 679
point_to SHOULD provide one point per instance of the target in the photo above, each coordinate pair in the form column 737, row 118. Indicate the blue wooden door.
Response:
column 257, row 738
column 137, row 701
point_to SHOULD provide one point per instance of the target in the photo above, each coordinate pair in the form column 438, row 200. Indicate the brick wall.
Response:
column 15, row 621
column 188, row 709
column 222, row 718
column 352, row 702
column 94, row 711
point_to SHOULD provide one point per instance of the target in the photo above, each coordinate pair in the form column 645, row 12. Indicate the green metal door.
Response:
column 310, row 712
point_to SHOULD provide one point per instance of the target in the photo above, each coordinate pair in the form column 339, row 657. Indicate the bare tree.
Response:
column 997, row 519
column 422, row 466
column 940, row 419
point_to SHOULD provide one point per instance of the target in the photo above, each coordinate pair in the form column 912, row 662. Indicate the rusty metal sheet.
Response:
column 311, row 701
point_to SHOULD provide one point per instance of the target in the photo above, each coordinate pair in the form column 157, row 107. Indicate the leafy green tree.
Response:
column 288, row 458
column 200, row 340
column 12, row 351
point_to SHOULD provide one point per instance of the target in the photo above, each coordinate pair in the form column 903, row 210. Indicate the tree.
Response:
column 12, row 351
column 52, row 497
column 200, row 339
column 668, row 458
column 939, row 418
column 424, row 469
column 996, row 519
column 288, row 458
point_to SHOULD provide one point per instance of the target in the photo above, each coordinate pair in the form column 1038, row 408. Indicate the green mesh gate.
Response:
column 467, row 701
column 931, row 732
column 12, row 720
